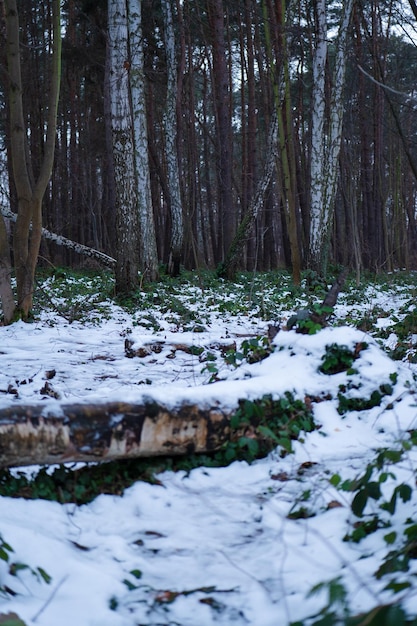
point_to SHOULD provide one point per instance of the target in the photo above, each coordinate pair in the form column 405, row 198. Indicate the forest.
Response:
column 210, row 134
column 208, row 215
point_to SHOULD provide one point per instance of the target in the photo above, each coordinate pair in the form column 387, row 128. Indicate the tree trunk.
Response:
column 221, row 89
column 127, row 216
column 228, row 268
column 6, row 292
column 105, row 432
column 148, row 248
column 177, row 226
column 326, row 135
column 28, row 229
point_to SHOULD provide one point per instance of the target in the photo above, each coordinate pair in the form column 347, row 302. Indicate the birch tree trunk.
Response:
column 109, row 431
column 326, row 134
column 30, row 192
column 177, row 233
column 148, row 248
column 126, row 192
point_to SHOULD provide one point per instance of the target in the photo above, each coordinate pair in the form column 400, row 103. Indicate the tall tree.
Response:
column 177, row 221
column 326, row 133
column 126, row 192
column 221, row 91
column 275, row 20
column 30, row 190
column 147, row 241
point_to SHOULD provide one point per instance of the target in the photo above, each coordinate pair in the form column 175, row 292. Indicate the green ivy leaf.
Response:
column 405, row 492
column 390, row 537
column 374, row 490
column 359, row 502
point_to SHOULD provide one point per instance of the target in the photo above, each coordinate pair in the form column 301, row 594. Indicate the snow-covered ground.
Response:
column 216, row 545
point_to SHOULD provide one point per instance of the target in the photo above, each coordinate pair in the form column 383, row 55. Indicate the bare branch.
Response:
column 391, row 89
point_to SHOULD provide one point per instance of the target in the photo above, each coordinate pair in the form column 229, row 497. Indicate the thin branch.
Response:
column 380, row 84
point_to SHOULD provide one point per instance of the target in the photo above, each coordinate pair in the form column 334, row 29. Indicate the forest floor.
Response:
column 320, row 531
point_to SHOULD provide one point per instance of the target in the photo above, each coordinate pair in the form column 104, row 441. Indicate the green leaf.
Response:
column 136, row 573
column 390, row 537
column 3, row 555
column 374, row 490
column 411, row 532
column 44, row 575
column 397, row 587
column 359, row 502
column 251, row 444
column 285, row 443
column 267, row 432
column 15, row 568
column 391, row 505
column 129, row 585
column 405, row 492
column 394, row 456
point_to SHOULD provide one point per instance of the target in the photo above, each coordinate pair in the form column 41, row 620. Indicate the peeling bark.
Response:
column 32, row 435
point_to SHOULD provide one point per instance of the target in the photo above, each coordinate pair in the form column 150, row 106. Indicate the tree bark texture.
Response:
column 30, row 435
column 326, row 134
column 127, row 215
column 148, row 247
column 229, row 268
column 221, row 89
column 30, row 192
column 177, row 227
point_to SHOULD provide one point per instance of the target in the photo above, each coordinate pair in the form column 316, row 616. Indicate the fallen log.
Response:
column 77, row 432
column 60, row 240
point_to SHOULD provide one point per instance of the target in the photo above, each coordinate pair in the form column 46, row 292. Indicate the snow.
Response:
column 215, row 545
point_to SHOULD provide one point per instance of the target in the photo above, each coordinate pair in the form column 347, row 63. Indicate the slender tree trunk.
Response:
column 326, row 134
column 6, row 292
column 229, row 266
column 317, row 171
column 148, row 248
column 28, row 229
column 174, row 200
column 277, row 49
column 127, row 216
column 221, row 89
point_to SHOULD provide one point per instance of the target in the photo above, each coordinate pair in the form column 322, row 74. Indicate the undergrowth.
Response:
column 376, row 496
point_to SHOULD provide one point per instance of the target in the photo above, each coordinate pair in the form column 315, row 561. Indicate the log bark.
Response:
column 77, row 432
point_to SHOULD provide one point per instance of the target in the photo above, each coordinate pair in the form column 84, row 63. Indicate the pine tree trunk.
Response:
column 221, row 88
column 177, row 226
